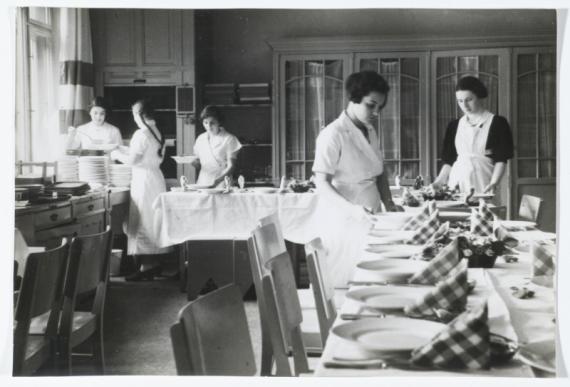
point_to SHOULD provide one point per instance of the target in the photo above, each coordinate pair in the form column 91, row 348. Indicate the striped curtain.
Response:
column 76, row 78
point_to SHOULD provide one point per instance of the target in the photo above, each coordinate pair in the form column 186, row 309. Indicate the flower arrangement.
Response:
column 482, row 251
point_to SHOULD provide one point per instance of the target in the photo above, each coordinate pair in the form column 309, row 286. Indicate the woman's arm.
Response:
column 126, row 157
column 443, row 176
column 498, row 171
column 72, row 142
column 385, row 193
column 230, row 165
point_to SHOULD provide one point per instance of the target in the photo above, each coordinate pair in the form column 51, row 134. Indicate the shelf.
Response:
column 254, row 145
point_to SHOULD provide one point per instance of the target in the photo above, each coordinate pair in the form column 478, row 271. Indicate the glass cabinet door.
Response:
column 313, row 96
column 400, row 123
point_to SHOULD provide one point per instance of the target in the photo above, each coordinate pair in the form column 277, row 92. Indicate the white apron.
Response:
column 343, row 235
column 472, row 169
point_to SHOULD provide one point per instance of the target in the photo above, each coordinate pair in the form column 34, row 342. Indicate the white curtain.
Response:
column 22, row 138
column 76, row 68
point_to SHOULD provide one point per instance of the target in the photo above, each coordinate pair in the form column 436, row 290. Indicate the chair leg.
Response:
column 99, row 353
column 64, row 358
column 266, row 355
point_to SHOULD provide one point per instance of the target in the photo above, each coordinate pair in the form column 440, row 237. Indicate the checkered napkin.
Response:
column 423, row 233
column 451, row 293
column 432, row 206
column 542, row 261
column 482, row 220
column 440, row 233
column 502, row 234
column 439, row 267
column 463, row 344
column 417, row 220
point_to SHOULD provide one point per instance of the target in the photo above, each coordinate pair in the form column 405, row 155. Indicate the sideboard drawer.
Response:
column 88, row 207
column 52, row 217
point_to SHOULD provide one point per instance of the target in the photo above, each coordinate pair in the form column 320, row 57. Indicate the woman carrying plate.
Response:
column 96, row 134
column 349, row 175
column 217, row 149
column 145, row 154
column 477, row 146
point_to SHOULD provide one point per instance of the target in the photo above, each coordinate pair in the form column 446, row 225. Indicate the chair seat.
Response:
column 84, row 324
column 307, row 298
column 37, row 350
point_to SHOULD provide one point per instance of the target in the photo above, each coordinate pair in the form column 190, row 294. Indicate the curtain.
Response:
column 22, row 149
column 76, row 68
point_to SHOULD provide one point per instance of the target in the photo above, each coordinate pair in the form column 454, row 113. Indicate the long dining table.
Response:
column 530, row 321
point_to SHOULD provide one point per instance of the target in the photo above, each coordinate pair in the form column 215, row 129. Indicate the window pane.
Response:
column 547, row 62
column 333, row 68
column 390, row 115
column 547, row 115
column 293, row 68
column 308, row 170
column 526, row 116
column 391, row 169
column 548, row 168
column 294, row 123
column 40, row 14
column 410, row 169
column 369, row 64
column 446, row 109
column 492, row 101
column 314, row 114
column 526, row 63
column 333, row 99
column 445, row 66
column 489, row 64
column 411, row 67
column 294, row 170
column 468, row 64
column 527, row 168
column 314, row 67
column 410, row 119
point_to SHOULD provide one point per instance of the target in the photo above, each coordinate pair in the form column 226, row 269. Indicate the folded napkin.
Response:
column 502, row 234
column 439, row 267
column 465, row 343
column 432, row 206
column 450, row 294
column 423, row 233
column 440, row 233
column 542, row 261
column 417, row 220
column 482, row 220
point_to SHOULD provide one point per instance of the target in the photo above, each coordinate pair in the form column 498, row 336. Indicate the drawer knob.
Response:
column 90, row 207
column 53, row 217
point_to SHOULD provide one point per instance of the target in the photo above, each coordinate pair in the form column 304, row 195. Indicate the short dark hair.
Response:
column 472, row 84
column 99, row 102
column 358, row 85
column 212, row 111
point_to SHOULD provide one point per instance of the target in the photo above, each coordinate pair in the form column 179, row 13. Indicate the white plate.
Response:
column 391, row 270
column 392, row 335
column 391, row 233
column 197, row 186
column 184, row 159
column 395, row 251
column 540, row 355
column 454, row 215
column 518, row 224
column 482, row 196
column 387, row 240
column 263, row 189
column 448, row 203
column 391, row 297
column 211, row 190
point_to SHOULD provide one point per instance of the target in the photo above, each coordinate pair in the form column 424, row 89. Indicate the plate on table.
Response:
column 194, row 187
column 266, row 190
column 387, row 240
column 482, row 196
column 404, row 234
column 448, row 203
column 389, row 336
column 454, row 215
column 394, row 251
column 540, row 354
column 392, row 270
column 387, row 297
column 184, row 159
column 518, row 224
column 211, row 190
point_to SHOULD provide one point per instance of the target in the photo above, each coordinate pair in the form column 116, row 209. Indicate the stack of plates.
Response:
column 67, row 169
column 119, row 175
column 93, row 169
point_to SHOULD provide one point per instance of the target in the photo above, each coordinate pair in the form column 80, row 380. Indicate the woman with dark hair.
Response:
column 216, row 149
column 145, row 154
column 349, row 173
column 97, row 133
column 476, row 147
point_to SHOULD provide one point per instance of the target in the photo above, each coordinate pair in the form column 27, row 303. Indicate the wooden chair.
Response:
column 323, row 290
column 40, row 295
column 211, row 336
column 530, row 208
column 284, row 317
column 86, row 279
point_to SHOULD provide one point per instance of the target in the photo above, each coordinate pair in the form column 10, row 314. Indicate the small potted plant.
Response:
column 481, row 251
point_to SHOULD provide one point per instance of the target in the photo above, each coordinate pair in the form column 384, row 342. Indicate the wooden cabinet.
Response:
column 134, row 46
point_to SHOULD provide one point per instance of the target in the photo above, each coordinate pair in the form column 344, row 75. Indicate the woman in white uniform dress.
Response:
column 216, row 149
column 145, row 154
column 349, row 175
column 95, row 133
column 477, row 146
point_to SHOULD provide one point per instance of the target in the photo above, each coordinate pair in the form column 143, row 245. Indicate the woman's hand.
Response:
column 393, row 207
column 490, row 188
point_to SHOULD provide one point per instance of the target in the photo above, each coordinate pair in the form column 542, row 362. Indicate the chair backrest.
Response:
column 322, row 287
column 216, row 336
column 40, row 293
column 269, row 238
column 284, row 316
column 88, row 273
column 530, row 208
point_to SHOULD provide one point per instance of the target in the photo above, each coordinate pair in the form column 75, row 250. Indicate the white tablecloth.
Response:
column 182, row 216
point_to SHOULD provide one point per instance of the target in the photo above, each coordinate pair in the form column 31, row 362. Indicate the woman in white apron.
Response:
column 145, row 154
column 477, row 146
column 216, row 149
column 349, row 175
column 97, row 133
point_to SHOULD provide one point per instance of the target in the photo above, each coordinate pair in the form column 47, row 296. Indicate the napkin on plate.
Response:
column 426, row 230
column 542, row 261
column 417, row 220
column 449, row 294
column 439, row 267
column 440, row 233
column 482, row 220
column 465, row 343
